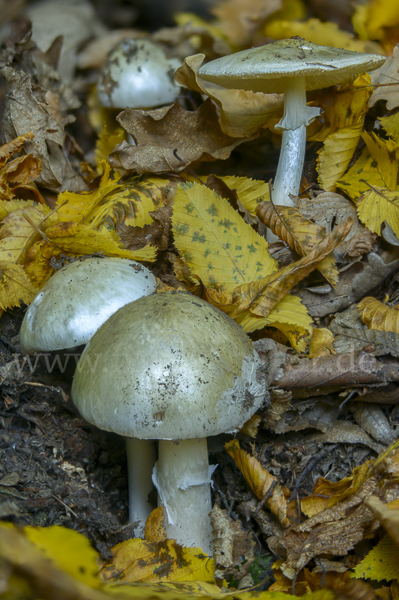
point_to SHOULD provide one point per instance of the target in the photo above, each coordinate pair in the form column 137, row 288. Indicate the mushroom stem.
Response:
column 182, row 478
column 297, row 115
column 289, row 170
column 140, row 462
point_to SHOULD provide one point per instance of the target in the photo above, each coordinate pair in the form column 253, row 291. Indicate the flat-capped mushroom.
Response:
column 68, row 311
column 174, row 368
column 291, row 66
column 138, row 74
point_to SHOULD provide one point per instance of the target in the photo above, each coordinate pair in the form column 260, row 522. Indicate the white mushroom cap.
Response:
column 137, row 74
column 269, row 68
column 79, row 298
column 169, row 366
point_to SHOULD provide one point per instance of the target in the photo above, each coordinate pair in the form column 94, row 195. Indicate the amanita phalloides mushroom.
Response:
column 174, row 368
column 291, row 66
column 138, row 74
column 68, row 311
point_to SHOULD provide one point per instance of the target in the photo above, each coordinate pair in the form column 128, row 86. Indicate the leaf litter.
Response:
column 305, row 497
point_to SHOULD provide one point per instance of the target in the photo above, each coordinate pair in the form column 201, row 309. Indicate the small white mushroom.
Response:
column 291, row 66
column 138, row 74
column 79, row 298
column 174, row 368
column 68, row 311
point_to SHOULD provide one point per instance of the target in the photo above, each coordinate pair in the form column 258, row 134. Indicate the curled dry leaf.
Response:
column 329, row 208
column 379, row 316
column 17, row 175
column 264, row 485
column 372, row 419
column 30, row 107
column 234, row 548
column 301, row 234
column 169, row 139
column 251, row 426
column 261, row 296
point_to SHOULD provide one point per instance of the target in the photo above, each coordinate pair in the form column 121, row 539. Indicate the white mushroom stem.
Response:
column 289, row 170
column 140, row 462
column 297, row 115
column 182, row 477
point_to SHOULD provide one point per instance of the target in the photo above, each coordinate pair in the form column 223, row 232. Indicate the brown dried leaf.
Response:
column 379, row 316
column 169, row 139
column 301, row 234
column 30, row 107
column 234, row 548
column 262, row 483
column 378, row 343
column 157, row 233
column 329, row 208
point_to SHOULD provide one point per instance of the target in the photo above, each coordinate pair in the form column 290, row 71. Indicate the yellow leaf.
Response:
column 391, row 126
column 387, row 514
column 38, row 262
column 261, row 482
column 216, row 243
column 336, row 154
column 321, row 343
column 377, row 205
column 291, row 10
column 378, row 15
column 68, row 550
column 379, row 316
column 105, row 144
column 20, row 230
column 335, row 492
column 15, row 286
column 317, row 32
column 249, row 191
column 348, row 107
column 154, row 528
column 381, row 562
column 290, row 317
column 138, row 560
column 377, row 166
column 9, row 206
column 113, row 202
column 251, row 426
column 75, row 238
